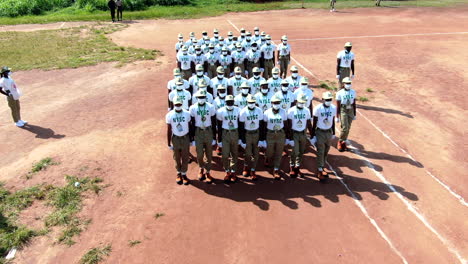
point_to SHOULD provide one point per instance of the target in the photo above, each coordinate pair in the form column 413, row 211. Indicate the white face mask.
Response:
column 347, row 86
column 245, row 91
column 224, row 53
column 216, row 35
column 220, row 76
column 10, row 74
column 212, row 51
column 327, row 103
column 176, row 76
column 251, row 105
column 180, row 40
column 304, row 86
column 275, row 106
column 199, row 73
column 180, row 87
column 184, row 52
column 239, row 50
column 222, row 95
column 256, row 76
column 198, row 52
column 201, row 101
column 254, row 49
column 294, row 74
column 285, row 42
column 238, row 76
column 284, row 89
column 230, row 38
column 229, row 107
column 268, row 42
column 178, row 108
column 257, row 33
column 275, row 76
column 264, row 91
column 300, row 105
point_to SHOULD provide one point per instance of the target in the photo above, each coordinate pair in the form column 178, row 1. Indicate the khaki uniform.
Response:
column 203, row 144
column 181, row 150
column 251, row 149
column 275, row 146
column 344, row 72
column 284, row 62
column 300, row 141
column 323, row 145
column 346, row 116
column 15, row 108
column 269, row 65
column 230, row 149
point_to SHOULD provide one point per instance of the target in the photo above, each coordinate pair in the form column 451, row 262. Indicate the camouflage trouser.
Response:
column 346, row 116
column 230, row 149
column 181, row 150
column 15, row 108
column 268, row 68
column 344, row 72
column 275, row 146
column 323, row 146
column 300, row 141
column 203, row 140
column 284, row 62
column 251, row 149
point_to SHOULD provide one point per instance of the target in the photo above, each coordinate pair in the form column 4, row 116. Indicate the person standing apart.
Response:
column 346, row 111
column 228, row 123
column 250, row 119
column 275, row 119
column 284, row 56
column 323, row 129
column 178, row 139
column 8, row 87
column 112, row 6
column 345, row 64
column 299, row 120
column 119, row 4
column 332, row 5
column 202, row 121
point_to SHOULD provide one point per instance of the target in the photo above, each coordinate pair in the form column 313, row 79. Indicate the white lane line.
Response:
column 357, row 202
column 459, row 197
column 63, row 24
column 364, row 211
column 410, row 207
column 384, row 36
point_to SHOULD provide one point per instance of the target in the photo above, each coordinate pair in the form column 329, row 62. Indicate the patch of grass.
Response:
column 328, row 85
column 369, row 90
column 67, row 48
column 158, row 215
column 96, row 255
column 362, row 99
column 41, row 165
column 132, row 243
column 207, row 8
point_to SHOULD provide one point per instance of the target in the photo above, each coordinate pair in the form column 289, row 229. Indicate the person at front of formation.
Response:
column 256, row 37
column 178, row 139
column 218, row 79
column 268, row 57
column 230, row 39
column 345, row 64
column 203, row 124
column 225, row 61
column 274, row 83
column 241, row 99
column 228, row 123
column 299, row 120
column 309, row 93
column 195, row 79
column 112, row 7
column 215, row 39
column 284, row 56
column 295, row 79
column 247, row 42
column 212, row 61
column 204, row 38
column 250, row 119
column 239, row 58
column 186, row 63
column 346, row 112
column 12, row 92
column 235, row 82
column 253, row 59
column 255, row 81
column 276, row 122
column 323, row 130
column 332, row 5
column 181, row 93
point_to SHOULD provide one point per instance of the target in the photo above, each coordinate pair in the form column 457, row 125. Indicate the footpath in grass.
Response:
column 67, row 48
column 206, row 8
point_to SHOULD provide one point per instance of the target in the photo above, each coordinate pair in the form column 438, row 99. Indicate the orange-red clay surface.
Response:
column 109, row 122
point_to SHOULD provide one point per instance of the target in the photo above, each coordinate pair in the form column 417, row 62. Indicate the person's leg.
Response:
column 320, row 148
column 112, row 11
column 12, row 105
column 254, row 143
column 208, row 138
column 327, row 146
column 177, row 153
column 344, row 125
column 199, row 147
column 185, row 146
column 270, row 147
column 234, row 151
column 226, row 151
column 280, row 138
column 18, row 111
column 302, row 142
column 248, row 152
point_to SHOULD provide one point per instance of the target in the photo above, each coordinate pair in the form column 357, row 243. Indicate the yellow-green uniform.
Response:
column 228, row 118
column 284, row 56
column 324, row 129
column 345, row 99
column 275, row 121
column 179, row 120
column 250, row 117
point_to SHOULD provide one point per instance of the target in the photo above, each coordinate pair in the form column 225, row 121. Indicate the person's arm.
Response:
column 6, row 93
column 220, row 129
column 274, row 58
column 169, row 134
column 242, row 131
column 214, row 127
column 352, row 67
column 314, row 126
column 354, row 107
column 263, row 130
column 338, row 62
column 287, row 129
column 192, row 129
column 178, row 63
column 338, row 108
column 289, row 123
column 309, row 127
column 333, row 125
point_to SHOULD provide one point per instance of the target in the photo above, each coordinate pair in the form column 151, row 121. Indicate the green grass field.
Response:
column 205, row 8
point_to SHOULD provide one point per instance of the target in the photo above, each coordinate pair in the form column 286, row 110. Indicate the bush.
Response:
column 172, row 2
column 13, row 8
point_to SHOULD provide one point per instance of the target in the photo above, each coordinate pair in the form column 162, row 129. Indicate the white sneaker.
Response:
column 23, row 122
column 19, row 124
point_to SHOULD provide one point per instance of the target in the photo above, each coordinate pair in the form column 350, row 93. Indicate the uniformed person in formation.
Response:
column 345, row 64
column 284, row 56
column 323, row 129
column 236, row 81
column 181, row 93
column 186, row 63
column 268, row 57
column 274, row 83
column 346, row 111
column 178, row 139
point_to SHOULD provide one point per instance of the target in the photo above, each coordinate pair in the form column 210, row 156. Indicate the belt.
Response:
column 180, row 136
column 204, row 129
column 345, row 67
column 324, row 130
column 275, row 131
column 251, row 131
column 284, row 56
column 269, row 59
column 230, row 130
column 299, row 132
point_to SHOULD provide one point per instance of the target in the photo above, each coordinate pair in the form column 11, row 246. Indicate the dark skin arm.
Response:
column 289, row 122
column 169, row 135
column 338, row 62
column 333, row 126
column 352, row 67
column 192, row 129
column 338, row 108
column 354, row 108
column 287, row 129
column 309, row 127
column 213, row 127
column 242, row 131
column 220, row 129
column 314, row 127
column 263, row 130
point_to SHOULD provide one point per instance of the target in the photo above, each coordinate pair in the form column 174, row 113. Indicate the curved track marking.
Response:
column 385, row 36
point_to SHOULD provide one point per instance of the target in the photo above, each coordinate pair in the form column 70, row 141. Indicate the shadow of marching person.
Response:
column 42, row 132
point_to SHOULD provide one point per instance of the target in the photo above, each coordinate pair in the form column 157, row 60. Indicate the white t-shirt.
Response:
column 346, row 58
column 179, row 45
column 268, row 51
column 211, row 58
column 240, row 101
column 294, row 83
column 179, row 122
column 274, row 85
column 172, row 86
column 263, row 101
column 238, row 57
column 255, row 84
column 236, row 83
column 193, row 81
column 346, row 97
column 185, row 61
column 209, row 98
column 199, row 59
column 275, row 121
column 8, row 84
column 251, row 118
column 230, row 118
column 225, row 61
column 219, row 103
column 299, row 118
column 283, row 49
column 202, row 114
column 309, row 93
column 215, row 82
column 184, row 94
column 254, row 56
column 247, row 45
column 325, row 115
column 286, row 99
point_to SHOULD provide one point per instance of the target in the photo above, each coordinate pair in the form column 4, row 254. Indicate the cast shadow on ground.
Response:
column 385, row 110
column 42, row 132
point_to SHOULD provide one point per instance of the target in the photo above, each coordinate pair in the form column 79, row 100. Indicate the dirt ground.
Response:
column 408, row 149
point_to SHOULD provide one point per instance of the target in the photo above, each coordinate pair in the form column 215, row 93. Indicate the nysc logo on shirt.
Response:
column 299, row 116
column 230, row 117
column 276, row 120
column 178, row 119
column 348, row 96
column 325, row 114
column 252, row 117
column 264, row 101
column 184, row 59
column 182, row 97
column 202, row 112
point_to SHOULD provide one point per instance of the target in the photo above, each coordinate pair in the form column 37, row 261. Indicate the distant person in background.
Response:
column 8, row 88
column 332, row 5
column 119, row 4
column 112, row 6
column 377, row 2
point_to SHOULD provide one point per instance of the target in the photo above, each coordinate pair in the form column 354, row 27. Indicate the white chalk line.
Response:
column 410, row 207
column 63, row 24
column 357, row 202
column 366, row 214
column 384, row 36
